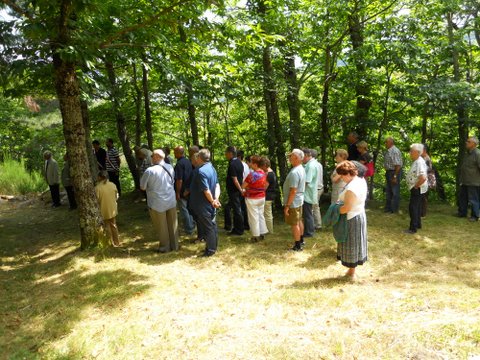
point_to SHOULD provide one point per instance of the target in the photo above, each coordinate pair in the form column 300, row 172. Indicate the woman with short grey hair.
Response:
column 418, row 186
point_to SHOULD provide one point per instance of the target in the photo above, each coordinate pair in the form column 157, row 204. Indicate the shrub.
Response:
column 16, row 180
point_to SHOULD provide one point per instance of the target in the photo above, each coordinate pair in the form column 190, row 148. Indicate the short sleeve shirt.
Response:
column 392, row 158
column 204, row 178
column 256, row 181
column 311, row 179
column 358, row 186
column 295, row 179
column 107, row 198
column 235, row 169
column 183, row 171
column 418, row 168
column 157, row 181
column 112, row 160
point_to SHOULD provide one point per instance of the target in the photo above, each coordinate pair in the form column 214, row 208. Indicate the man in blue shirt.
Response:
column 183, row 172
column 204, row 195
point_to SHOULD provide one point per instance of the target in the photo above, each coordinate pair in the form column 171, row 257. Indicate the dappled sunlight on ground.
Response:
column 416, row 297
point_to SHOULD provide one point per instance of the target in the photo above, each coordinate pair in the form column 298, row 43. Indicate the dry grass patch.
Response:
column 418, row 297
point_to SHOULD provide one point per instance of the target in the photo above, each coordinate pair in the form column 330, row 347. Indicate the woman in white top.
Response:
column 418, row 186
column 337, row 183
column 354, row 251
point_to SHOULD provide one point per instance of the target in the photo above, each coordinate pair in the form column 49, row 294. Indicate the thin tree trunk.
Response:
column 146, row 98
column 121, row 125
column 425, row 116
column 292, row 98
column 137, row 98
column 324, row 135
column 460, row 107
column 362, row 85
column 192, row 113
column 92, row 160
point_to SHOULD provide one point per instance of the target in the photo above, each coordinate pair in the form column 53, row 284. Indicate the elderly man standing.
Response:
column 183, row 172
column 317, row 216
column 158, row 182
column 293, row 189
column 393, row 163
column 418, row 186
column 234, row 183
column 113, row 165
column 311, row 193
column 204, row 195
column 52, row 177
column 470, row 181
column 352, row 139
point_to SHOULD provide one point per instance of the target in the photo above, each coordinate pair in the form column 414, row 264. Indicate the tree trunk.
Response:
column 146, row 98
column 272, row 108
column 362, row 85
column 292, row 98
column 425, row 116
column 137, row 98
column 67, row 88
column 461, row 110
column 92, row 160
column 325, row 133
column 121, row 125
column 192, row 113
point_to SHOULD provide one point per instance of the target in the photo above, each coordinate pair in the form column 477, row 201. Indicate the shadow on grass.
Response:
column 326, row 283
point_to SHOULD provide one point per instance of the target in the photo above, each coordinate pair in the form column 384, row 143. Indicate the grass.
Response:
column 418, row 297
column 16, row 180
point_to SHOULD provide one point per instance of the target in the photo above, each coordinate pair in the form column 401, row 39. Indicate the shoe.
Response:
column 55, row 205
column 472, row 219
column 161, row 251
column 460, row 215
column 236, row 233
column 208, row 253
column 254, row 239
column 262, row 237
column 227, row 229
column 409, row 231
column 297, row 246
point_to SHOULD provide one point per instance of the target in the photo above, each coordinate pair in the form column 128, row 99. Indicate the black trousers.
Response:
column 114, row 177
column 71, row 197
column 415, row 209
column 234, row 204
column 308, row 220
column 55, row 192
column 207, row 229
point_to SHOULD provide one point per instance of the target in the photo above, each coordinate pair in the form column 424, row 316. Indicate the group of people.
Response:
column 192, row 187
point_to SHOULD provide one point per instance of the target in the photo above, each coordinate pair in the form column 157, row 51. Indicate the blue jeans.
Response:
column 187, row 219
column 469, row 195
column 392, row 191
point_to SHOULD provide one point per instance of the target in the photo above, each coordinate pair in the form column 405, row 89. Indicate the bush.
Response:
column 16, row 180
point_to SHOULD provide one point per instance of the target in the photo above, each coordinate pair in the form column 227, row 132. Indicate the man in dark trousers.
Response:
column 234, row 190
column 113, row 165
column 100, row 155
column 183, row 173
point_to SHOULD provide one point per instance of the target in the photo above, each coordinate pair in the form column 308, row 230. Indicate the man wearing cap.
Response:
column 158, row 181
column 293, row 189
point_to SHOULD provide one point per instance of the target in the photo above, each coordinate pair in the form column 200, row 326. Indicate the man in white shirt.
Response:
column 317, row 216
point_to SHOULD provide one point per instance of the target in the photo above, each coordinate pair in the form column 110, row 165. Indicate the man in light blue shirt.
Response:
column 293, row 189
column 158, row 182
column 317, row 216
column 311, row 193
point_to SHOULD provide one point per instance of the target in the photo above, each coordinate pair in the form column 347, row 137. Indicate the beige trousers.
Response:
column 112, row 230
column 166, row 227
column 268, row 214
column 317, row 216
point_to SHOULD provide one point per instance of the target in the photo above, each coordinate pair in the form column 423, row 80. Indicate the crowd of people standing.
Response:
column 192, row 188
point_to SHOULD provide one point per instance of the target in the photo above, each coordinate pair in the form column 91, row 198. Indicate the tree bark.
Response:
column 192, row 118
column 292, row 98
column 462, row 126
column 362, row 85
column 121, row 124
column 92, row 160
column 146, row 98
column 68, row 93
column 271, row 106
column 137, row 98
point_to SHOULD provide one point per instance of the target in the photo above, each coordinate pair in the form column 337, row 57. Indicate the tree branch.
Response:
column 142, row 25
column 18, row 9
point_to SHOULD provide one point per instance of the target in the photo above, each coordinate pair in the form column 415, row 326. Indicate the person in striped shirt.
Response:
column 113, row 165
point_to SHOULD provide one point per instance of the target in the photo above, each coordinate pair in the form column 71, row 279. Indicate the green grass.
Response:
column 16, row 180
column 418, row 297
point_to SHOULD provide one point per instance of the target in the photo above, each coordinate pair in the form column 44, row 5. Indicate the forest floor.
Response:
column 418, row 297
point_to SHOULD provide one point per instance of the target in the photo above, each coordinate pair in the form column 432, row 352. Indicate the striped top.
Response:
column 113, row 160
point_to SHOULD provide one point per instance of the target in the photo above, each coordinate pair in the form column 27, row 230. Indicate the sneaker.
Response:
column 297, row 246
column 472, row 219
